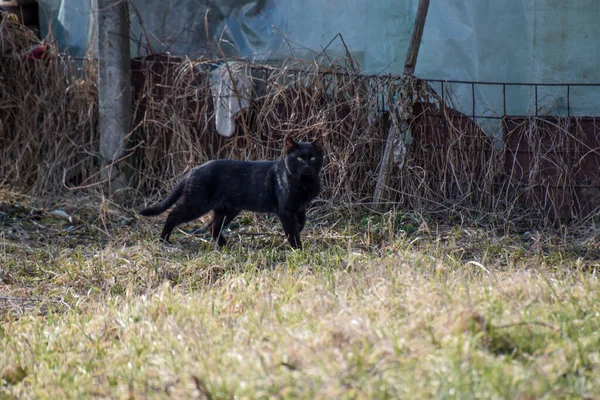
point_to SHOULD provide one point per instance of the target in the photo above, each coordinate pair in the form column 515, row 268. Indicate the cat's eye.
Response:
column 299, row 158
column 312, row 159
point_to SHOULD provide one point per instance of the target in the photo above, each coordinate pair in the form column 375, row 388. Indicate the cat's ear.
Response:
column 318, row 143
column 290, row 144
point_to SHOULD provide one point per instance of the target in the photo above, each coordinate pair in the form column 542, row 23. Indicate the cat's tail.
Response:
column 166, row 203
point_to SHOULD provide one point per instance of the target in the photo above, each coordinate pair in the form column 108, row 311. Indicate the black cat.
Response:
column 227, row 187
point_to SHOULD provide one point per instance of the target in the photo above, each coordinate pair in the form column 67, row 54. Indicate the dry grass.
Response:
column 375, row 307
column 48, row 115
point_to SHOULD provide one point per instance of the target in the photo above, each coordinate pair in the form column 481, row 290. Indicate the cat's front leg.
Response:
column 290, row 227
column 301, row 216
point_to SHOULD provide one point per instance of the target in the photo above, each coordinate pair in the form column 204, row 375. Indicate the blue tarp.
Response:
column 543, row 41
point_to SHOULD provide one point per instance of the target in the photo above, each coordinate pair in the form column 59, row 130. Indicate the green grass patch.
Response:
column 380, row 306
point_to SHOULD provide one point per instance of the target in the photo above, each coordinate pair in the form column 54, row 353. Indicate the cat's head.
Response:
column 304, row 159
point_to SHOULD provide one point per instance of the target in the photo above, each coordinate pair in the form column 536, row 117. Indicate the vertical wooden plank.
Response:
column 114, row 89
column 415, row 39
column 409, row 68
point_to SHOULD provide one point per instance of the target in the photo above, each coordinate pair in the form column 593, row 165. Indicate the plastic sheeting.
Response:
column 376, row 32
column 534, row 41
column 542, row 41
column 230, row 88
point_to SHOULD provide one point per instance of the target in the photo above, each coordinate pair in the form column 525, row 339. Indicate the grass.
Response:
column 375, row 306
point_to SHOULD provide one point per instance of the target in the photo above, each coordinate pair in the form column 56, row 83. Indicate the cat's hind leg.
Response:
column 180, row 214
column 221, row 219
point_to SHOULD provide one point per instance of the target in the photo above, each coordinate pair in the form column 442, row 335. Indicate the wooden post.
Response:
column 409, row 68
column 415, row 39
column 114, row 90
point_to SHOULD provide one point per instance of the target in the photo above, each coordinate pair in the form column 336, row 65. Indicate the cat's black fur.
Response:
column 227, row 187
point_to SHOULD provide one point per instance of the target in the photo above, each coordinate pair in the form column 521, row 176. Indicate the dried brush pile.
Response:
column 48, row 113
column 448, row 165
column 444, row 163
column 552, row 167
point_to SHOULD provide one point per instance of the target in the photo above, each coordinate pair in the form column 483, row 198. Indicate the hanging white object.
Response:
column 227, row 102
